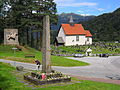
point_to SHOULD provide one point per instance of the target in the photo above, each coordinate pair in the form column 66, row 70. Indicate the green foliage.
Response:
column 1, row 29
column 105, row 27
column 53, row 35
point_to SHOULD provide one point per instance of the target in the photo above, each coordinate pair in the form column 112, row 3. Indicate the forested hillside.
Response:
column 105, row 27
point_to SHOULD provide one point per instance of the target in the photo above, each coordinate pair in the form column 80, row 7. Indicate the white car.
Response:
column 78, row 55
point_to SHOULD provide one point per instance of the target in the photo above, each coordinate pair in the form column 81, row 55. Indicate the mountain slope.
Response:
column 105, row 27
column 64, row 18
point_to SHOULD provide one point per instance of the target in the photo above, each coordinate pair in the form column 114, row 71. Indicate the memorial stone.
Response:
column 11, row 37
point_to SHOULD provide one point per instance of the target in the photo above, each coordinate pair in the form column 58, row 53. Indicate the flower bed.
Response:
column 38, row 79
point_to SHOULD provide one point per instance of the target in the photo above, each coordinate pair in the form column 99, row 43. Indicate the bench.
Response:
column 29, row 55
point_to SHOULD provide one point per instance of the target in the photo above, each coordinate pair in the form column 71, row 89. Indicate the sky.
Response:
column 87, row 7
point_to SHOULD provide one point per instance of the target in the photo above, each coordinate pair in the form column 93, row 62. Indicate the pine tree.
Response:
column 27, row 15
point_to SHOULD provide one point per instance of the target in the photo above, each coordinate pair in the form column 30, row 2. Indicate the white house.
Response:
column 73, row 34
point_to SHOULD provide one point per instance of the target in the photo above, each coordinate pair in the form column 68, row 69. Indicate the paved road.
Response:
column 98, row 68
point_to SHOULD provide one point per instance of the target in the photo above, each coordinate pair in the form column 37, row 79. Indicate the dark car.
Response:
column 103, row 55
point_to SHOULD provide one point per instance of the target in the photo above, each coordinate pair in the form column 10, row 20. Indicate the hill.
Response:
column 105, row 27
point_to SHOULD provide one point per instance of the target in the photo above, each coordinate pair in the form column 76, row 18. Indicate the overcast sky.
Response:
column 89, row 7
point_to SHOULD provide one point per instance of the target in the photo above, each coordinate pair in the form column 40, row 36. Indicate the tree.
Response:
column 27, row 15
column 41, row 8
column 1, row 22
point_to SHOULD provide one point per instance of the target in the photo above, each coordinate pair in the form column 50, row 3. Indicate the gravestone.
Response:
column 46, row 51
column 89, row 52
column 11, row 37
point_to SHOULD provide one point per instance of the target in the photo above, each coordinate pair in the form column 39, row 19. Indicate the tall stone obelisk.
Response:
column 46, row 52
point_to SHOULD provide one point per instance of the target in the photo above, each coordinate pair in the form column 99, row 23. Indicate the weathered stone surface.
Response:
column 11, row 36
column 20, row 68
column 38, row 82
column 46, row 62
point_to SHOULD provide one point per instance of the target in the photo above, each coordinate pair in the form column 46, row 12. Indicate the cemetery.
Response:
column 97, row 48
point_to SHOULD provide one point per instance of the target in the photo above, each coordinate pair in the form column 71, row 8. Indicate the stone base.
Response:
column 43, row 82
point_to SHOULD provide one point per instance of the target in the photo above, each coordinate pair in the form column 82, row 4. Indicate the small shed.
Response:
column 59, row 41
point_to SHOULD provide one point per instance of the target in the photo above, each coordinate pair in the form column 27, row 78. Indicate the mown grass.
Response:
column 6, row 52
column 8, row 81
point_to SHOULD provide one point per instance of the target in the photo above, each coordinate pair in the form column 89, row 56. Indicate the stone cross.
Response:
column 46, row 62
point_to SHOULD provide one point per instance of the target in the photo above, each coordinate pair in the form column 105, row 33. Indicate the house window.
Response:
column 77, row 38
column 87, row 39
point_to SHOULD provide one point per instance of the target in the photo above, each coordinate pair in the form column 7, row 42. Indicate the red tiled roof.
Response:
column 88, row 34
column 77, row 29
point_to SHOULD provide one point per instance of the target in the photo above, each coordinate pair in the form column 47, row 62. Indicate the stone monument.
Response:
column 46, row 62
column 11, row 37
column 47, row 76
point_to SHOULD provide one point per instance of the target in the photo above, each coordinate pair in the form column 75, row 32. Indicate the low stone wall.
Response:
column 42, row 82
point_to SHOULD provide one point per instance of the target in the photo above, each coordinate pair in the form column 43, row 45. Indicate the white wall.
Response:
column 89, row 40
column 62, row 34
column 71, row 40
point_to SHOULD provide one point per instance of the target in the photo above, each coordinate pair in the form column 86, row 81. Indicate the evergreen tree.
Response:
column 27, row 15
column 1, row 22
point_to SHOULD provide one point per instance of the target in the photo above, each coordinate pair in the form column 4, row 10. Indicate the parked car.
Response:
column 103, row 55
column 78, row 55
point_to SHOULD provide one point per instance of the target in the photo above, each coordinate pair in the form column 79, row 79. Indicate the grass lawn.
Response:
column 6, row 52
column 8, row 81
